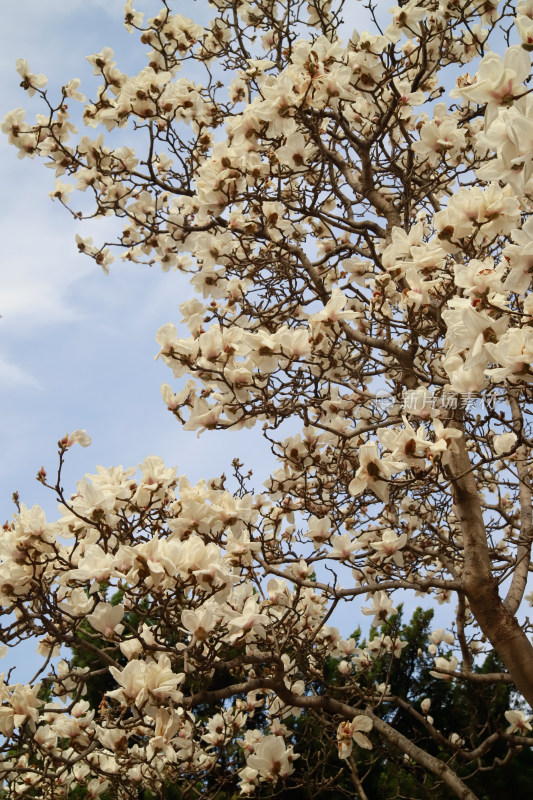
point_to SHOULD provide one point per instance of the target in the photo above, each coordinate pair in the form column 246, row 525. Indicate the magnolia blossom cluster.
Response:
column 350, row 228
column 197, row 553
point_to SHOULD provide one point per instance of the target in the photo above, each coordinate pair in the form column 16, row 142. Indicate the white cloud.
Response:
column 38, row 268
column 14, row 377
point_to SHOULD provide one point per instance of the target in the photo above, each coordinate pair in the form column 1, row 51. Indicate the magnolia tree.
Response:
column 361, row 250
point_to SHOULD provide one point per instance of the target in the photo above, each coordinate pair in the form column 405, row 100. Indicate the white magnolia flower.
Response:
column 319, row 530
column 443, row 668
column 250, row 622
column 352, row 731
column 519, row 722
column 200, row 622
column 498, row 81
column 80, row 437
column 106, row 618
column 331, row 313
column 30, row 82
column 141, row 679
column 374, row 472
column 389, row 546
column 504, row 442
column 439, row 635
column 520, row 258
column 514, row 351
column 381, row 608
column 272, row 758
column 405, row 19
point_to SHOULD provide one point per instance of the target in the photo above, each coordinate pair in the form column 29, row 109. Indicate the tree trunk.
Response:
column 498, row 624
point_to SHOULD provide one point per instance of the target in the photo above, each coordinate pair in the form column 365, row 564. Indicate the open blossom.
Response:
column 331, row 313
column 520, row 258
column 471, row 329
column 272, row 758
column 250, row 623
column 439, row 635
column 199, row 623
column 155, row 482
column 511, row 138
column 405, row 19
column 140, row 680
column 76, row 437
column 480, row 213
column 319, row 530
column 504, row 442
column 353, row 731
column 106, row 618
column 30, row 82
column 514, row 352
column 389, row 547
column 374, row 472
column 131, row 16
column 519, row 723
column 76, row 602
column 498, row 81
column 167, row 724
column 407, row 98
column 406, row 445
column 478, row 278
column 20, row 704
column 296, row 152
column 446, row 439
column 463, row 379
column 343, row 546
column 443, row 667
column 383, row 643
column 247, row 780
column 440, row 137
column 381, row 608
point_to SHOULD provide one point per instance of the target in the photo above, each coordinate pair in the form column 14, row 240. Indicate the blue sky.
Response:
column 76, row 346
